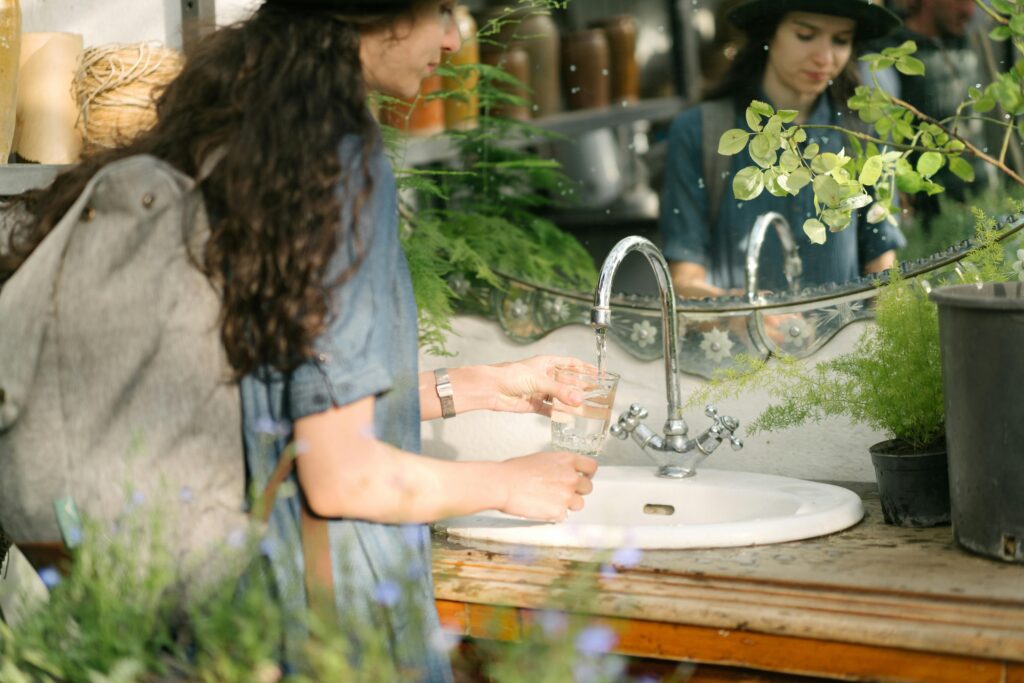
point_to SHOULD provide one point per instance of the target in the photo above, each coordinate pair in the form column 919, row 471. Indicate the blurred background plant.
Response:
column 478, row 217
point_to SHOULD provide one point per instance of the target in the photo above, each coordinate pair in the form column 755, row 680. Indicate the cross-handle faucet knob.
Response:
column 724, row 427
column 628, row 421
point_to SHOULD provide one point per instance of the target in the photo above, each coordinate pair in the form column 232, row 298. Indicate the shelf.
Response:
column 425, row 150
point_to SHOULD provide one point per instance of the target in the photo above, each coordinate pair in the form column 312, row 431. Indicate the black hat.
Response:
column 873, row 21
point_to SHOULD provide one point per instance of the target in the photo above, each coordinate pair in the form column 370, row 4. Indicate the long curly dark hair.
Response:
column 277, row 93
column 743, row 78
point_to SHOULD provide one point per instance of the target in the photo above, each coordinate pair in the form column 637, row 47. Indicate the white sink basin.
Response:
column 632, row 507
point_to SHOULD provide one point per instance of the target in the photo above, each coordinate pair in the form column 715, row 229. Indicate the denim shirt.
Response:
column 381, row 572
column 722, row 248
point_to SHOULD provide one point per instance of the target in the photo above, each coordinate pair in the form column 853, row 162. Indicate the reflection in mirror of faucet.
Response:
column 792, row 265
column 630, row 423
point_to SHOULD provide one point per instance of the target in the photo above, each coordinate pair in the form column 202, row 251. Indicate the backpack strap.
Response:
column 716, row 117
column 316, row 542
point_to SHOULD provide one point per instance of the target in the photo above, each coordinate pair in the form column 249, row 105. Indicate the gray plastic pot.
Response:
column 981, row 331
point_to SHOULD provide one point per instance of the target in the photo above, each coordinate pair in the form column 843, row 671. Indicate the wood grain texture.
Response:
column 870, row 603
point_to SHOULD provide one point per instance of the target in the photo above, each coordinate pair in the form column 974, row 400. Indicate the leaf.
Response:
column 798, row 180
column 748, row 183
column 789, row 161
column 815, row 230
column 910, row 66
column 1000, row 33
column 929, row 164
column 827, row 190
column 762, row 151
column 762, row 108
column 1017, row 24
column 836, row 219
column 800, row 135
column 1002, row 6
column 811, row 150
column 788, row 115
column 732, row 141
column 909, row 182
column 753, row 119
column 775, row 182
column 872, row 171
column 961, row 168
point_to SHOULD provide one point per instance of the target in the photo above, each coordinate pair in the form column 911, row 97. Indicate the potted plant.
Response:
column 890, row 381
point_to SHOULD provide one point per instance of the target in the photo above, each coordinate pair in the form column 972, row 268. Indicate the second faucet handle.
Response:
column 724, row 427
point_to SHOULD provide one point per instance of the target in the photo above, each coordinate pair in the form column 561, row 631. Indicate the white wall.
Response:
column 120, row 21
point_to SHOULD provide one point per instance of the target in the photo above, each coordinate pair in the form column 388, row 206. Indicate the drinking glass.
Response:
column 583, row 428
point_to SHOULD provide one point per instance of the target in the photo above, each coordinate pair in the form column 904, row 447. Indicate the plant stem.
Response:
column 996, row 17
column 967, row 143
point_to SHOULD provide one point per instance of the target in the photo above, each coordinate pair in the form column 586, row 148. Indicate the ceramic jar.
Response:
column 586, row 69
column 10, row 56
column 540, row 38
column 514, row 60
column 461, row 111
column 621, row 32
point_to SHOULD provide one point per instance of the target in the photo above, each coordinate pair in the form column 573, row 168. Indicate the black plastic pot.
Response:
column 913, row 486
column 981, row 330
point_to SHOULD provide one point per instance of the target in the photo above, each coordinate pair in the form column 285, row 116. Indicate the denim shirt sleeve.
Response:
column 684, row 226
column 352, row 356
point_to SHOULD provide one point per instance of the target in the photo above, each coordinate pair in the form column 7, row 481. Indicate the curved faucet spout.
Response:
column 600, row 315
column 688, row 452
column 792, row 266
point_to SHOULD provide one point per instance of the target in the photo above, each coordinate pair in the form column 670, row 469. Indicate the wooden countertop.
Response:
column 872, row 591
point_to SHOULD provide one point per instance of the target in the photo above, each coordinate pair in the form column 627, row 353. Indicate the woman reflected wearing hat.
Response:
column 799, row 56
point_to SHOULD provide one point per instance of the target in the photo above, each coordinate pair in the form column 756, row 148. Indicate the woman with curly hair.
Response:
column 317, row 316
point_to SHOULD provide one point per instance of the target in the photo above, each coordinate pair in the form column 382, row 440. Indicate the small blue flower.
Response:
column 415, row 570
column 627, row 557
column 596, row 640
column 50, row 576
column 138, row 498
column 553, row 622
column 74, row 537
column 185, row 495
column 267, row 546
column 271, row 427
column 387, row 593
column 236, row 539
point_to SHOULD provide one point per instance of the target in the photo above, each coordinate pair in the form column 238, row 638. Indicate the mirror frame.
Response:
column 712, row 332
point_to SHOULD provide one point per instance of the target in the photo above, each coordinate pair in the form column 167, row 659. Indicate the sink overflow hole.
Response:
column 652, row 509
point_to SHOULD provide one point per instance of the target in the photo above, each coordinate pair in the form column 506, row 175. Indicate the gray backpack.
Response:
column 115, row 391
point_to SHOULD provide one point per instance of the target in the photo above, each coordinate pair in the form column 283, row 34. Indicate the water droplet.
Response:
column 604, row 72
column 675, row 211
column 575, row 90
column 572, row 67
column 766, row 48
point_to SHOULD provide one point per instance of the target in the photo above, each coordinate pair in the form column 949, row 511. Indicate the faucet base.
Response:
column 675, row 472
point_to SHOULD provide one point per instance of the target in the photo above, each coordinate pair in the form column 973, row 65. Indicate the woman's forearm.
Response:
column 380, row 483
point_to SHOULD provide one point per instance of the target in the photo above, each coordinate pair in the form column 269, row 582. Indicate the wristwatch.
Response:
column 443, row 386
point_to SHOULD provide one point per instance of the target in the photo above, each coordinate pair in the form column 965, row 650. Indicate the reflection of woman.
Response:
column 797, row 56
column 318, row 316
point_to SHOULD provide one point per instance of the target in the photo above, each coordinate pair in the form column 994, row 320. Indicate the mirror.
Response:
column 713, row 330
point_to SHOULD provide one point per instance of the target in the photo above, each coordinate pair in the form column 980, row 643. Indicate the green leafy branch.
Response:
column 881, row 164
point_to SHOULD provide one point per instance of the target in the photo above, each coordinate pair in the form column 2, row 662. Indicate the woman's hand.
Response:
column 545, row 486
column 528, row 386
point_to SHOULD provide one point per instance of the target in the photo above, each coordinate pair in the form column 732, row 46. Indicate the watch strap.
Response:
column 443, row 387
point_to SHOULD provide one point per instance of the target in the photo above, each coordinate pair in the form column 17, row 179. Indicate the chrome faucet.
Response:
column 792, row 265
column 630, row 423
